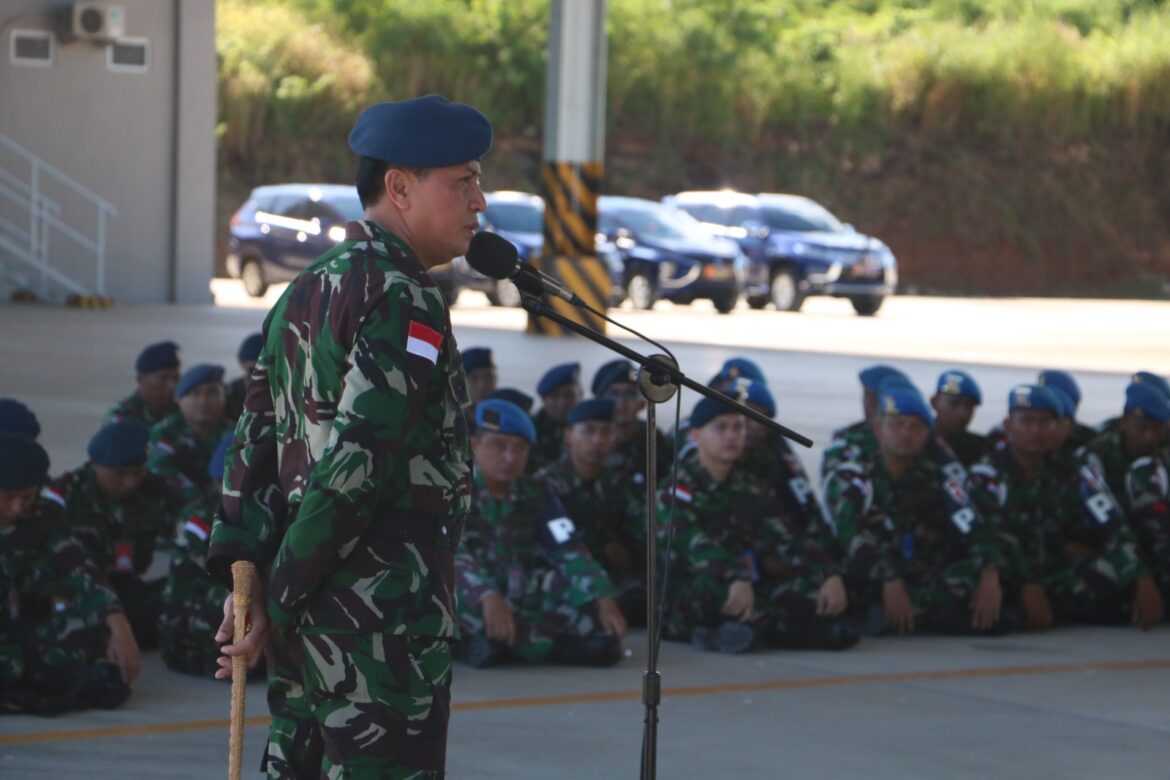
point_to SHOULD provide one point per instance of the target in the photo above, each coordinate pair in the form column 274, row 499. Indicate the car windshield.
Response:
column 654, row 222
column 802, row 218
column 516, row 217
column 349, row 208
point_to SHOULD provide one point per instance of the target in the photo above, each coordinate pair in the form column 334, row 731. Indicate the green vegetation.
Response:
column 1003, row 145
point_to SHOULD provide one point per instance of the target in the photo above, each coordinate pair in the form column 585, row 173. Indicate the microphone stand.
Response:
column 658, row 380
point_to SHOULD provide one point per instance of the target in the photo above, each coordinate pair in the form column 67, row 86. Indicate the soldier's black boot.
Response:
column 479, row 652
column 731, row 637
column 820, row 634
column 594, row 650
column 100, row 685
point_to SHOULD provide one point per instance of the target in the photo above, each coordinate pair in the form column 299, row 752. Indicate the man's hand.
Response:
column 1037, row 609
column 896, row 603
column 609, row 614
column 740, row 601
column 122, row 649
column 1147, row 603
column 986, row 600
column 259, row 631
column 831, row 598
column 498, row 623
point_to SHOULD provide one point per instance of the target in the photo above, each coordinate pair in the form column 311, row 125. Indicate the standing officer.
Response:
column 154, row 399
column 559, row 390
column 351, row 474
column 954, row 402
column 182, row 444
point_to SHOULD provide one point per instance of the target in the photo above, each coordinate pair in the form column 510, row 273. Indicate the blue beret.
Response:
column 620, row 370
column 156, row 357
column 872, row 377
column 476, row 357
column 250, row 347
column 198, row 375
column 215, row 467
column 1069, row 409
column 740, row 368
column 755, row 392
column 591, row 410
column 1149, row 378
column 902, row 399
column 1061, row 380
column 425, row 132
column 894, row 382
column 504, row 417
column 1147, row 401
column 512, row 395
column 1036, row 397
column 23, row 462
column 120, row 444
column 708, row 409
column 960, row 383
column 559, row 376
column 17, row 418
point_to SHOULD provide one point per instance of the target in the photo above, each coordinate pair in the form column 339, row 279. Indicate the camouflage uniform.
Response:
column 774, row 463
column 1147, row 496
column 234, row 399
column 629, row 457
column 606, row 513
column 348, row 483
column 921, row 528
column 969, row 448
column 550, row 441
column 120, row 537
column 180, row 456
column 858, row 443
column 132, row 407
column 1067, row 502
column 52, row 627
column 524, row 548
column 738, row 530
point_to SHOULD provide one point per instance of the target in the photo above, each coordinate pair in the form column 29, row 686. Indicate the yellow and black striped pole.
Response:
column 574, row 135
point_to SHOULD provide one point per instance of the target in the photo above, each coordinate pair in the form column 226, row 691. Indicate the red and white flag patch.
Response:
column 198, row 527
column 54, row 495
column 684, row 493
column 424, row 341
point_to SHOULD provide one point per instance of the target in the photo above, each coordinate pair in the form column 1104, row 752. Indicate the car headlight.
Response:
column 799, row 248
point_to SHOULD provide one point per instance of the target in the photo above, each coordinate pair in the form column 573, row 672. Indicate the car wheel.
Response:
column 252, row 275
column 757, row 301
column 867, row 306
column 725, row 304
column 640, row 291
column 784, row 292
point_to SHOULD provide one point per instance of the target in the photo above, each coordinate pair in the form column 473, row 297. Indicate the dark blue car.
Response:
column 797, row 248
column 667, row 255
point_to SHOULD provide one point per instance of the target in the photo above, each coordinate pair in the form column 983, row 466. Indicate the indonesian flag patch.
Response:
column 198, row 527
column 424, row 341
column 54, row 495
column 684, row 493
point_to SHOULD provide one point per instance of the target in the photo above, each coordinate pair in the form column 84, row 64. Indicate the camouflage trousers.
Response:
column 541, row 614
column 348, row 705
column 43, row 654
column 186, row 630
column 789, row 602
column 940, row 595
column 1086, row 590
column 142, row 602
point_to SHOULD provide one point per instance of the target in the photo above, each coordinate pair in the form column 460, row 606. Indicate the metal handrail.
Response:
column 72, row 184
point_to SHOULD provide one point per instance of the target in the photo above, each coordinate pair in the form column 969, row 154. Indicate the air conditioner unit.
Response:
column 97, row 22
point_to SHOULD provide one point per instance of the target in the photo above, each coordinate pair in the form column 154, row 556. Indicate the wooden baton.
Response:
column 242, row 574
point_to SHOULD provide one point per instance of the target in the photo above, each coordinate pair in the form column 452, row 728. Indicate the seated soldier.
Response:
column 481, row 372
column 954, row 403
column 617, row 381
column 1074, row 558
column 735, row 370
column 527, row 586
column 16, row 418
column 742, row 568
column 1071, row 434
column 559, row 390
column 247, row 355
column 181, row 445
column 154, row 399
column 857, row 441
column 193, row 599
column 609, row 511
column 65, row 642
column 916, row 547
column 513, row 396
column 121, row 514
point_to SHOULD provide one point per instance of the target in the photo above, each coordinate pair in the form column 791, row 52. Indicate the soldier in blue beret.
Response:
column 1071, row 434
column 737, row 368
column 617, row 381
column 858, row 437
column 512, row 396
column 62, row 621
column 559, row 389
column 1141, row 378
column 17, row 418
column 246, row 356
column 528, row 586
column 157, row 368
column 182, row 444
column 481, row 372
column 954, row 401
column 122, row 514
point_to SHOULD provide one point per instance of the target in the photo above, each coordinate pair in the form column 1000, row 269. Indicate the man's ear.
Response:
column 398, row 184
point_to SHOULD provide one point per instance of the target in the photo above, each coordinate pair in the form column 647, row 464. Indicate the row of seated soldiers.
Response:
column 76, row 550
column 921, row 523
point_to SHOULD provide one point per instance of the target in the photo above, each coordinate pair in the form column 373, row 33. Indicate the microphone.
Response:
column 496, row 258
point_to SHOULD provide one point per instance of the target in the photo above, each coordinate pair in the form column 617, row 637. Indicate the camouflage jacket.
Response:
column 858, row 443
column 1109, row 450
column 132, row 408
column 892, row 527
column 1068, row 501
column 550, row 441
column 188, row 582
column 629, row 457
column 735, row 530
column 777, row 465
column 42, row 567
column 509, row 543
column 1147, row 496
column 969, row 448
column 601, row 510
column 119, row 536
column 234, row 405
column 350, row 475
column 180, row 456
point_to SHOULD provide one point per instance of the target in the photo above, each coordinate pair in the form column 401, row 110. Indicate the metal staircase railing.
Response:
column 29, row 218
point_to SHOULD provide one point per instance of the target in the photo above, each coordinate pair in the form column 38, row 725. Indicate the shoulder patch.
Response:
column 424, row 341
column 54, row 494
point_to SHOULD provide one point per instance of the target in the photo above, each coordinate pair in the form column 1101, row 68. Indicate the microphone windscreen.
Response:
column 492, row 255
